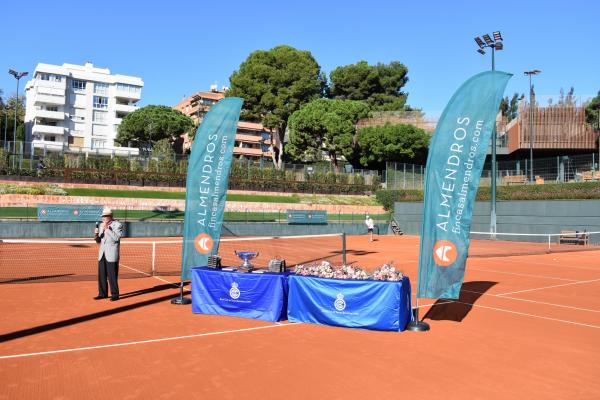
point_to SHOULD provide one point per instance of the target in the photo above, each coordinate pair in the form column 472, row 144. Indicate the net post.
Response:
column 549, row 248
column 153, row 258
column 343, row 248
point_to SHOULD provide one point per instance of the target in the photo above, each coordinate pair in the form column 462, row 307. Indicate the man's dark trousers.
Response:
column 112, row 270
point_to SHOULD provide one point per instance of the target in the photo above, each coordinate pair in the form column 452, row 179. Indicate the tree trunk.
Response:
column 334, row 162
column 276, row 149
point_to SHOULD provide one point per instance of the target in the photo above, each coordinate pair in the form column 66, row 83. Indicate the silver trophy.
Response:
column 246, row 256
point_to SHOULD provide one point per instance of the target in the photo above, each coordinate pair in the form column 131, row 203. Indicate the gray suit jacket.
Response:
column 109, row 240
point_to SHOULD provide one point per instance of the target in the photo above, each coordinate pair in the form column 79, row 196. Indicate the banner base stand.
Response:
column 415, row 325
column 181, row 300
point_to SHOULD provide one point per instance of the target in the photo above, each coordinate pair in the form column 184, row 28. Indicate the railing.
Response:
column 28, row 212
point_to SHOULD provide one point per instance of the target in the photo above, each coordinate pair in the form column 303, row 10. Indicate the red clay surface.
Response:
column 525, row 327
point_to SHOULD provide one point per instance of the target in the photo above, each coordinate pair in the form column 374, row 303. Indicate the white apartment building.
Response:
column 76, row 108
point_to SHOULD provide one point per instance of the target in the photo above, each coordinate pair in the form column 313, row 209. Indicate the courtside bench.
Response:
column 590, row 176
column 518, row 179
column 573, row 237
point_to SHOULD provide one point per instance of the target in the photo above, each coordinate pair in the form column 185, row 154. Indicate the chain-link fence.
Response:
column 576, row 168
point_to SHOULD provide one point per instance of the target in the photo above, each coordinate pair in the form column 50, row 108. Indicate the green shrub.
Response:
column 552, row 191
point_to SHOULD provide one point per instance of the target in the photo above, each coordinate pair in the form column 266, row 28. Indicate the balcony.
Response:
column 125, row 108
column 55, row 115
column 41, row 85
column 49, row 99
column 250, row 152
column 47, row 129
column 125, row 94
column 47, row 145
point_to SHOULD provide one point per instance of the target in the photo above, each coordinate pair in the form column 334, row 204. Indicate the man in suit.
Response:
column 108, row 234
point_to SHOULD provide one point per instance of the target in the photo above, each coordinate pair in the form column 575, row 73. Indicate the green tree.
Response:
column 379, row 85
column 510, row 107
column 592, row 112
column 325, row 126
column 146, row 126
column 402, row 142
column 275, row 83
column 163, row 149
column 7, row 115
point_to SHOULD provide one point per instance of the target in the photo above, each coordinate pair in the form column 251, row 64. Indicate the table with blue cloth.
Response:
column 379, row 305
column 240, row 294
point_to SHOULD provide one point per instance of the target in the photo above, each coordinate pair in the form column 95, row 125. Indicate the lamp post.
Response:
column 530, row 73
column 494, row 44
column 5, row 125
column 18, row 76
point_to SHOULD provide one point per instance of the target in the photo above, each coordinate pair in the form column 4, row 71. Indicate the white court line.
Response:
column 530, row 315
column 106, row 346
column 518, row 274
column 150, row 275
column 548, row 287
column 555, row 264
column 533, row 301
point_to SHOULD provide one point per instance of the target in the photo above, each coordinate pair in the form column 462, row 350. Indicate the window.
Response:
column 100, row 102
column 98, row 143
column 100, row 88
column 51, row 108
column 78, row 85
column 55, row 78
column 99, row 116
column 131, row 89
column 100, row 130
column 44, row 77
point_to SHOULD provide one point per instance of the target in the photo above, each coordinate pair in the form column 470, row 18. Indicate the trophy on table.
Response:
column 246, row 256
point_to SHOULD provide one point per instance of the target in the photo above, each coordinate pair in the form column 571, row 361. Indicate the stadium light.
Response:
column 18, row 76
column 530, row 73
column 494, row 44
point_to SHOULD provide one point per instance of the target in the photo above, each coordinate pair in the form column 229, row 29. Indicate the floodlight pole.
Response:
column 529, row 73
column 530, row 130
column 5, row 125
column 494, row 173
column 18, row 76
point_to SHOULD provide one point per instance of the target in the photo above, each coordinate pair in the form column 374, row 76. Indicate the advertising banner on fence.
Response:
column 206, row 184
column 456, row 156
column 68, row 213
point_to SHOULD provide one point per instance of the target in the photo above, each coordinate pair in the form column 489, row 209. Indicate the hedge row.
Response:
column 126, row 177
column 553, row 191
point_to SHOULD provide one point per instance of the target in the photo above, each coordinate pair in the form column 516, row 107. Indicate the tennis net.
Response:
column 27, row 260
column 486, row 244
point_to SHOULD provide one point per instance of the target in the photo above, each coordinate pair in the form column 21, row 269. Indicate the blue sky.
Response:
column 179, row 47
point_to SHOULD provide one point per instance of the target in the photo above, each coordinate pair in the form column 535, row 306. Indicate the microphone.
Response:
column 97, row 224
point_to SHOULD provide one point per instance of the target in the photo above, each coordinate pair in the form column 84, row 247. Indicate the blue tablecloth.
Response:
column 376, row 305
column 239, row 294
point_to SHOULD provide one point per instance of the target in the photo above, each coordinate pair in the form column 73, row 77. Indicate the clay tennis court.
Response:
column 525, row 326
